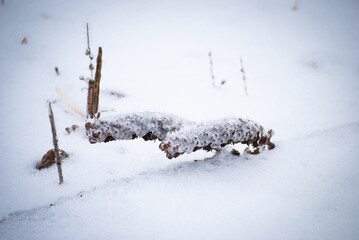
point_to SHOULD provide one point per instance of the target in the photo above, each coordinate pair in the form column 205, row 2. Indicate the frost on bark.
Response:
column 216, row 135
column 146, row 125
column 178, row 136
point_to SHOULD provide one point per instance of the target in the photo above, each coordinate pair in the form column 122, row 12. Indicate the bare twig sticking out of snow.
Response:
column 146, row 125
column 243, row 77
column 211, row 68
column 97, row 80
column 94, row 88
column 56, row 147
column 93, row 84
column 90, row 99
column 215, row 136
column 88, row 51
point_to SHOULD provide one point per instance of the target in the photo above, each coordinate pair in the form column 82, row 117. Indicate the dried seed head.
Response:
column 91, row 67
column 82, row 77
column 88, row 52
column 96, row 134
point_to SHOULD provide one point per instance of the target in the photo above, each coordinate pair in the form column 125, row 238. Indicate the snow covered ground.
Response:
column 302, row 70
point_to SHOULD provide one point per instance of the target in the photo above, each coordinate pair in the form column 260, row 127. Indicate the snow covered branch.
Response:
column 215, row 135
column 146, row 125
column 177, row 135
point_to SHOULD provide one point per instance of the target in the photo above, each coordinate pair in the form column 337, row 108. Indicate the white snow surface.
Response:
column 302, row 74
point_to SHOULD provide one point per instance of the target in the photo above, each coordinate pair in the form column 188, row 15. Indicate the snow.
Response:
column 302, row 80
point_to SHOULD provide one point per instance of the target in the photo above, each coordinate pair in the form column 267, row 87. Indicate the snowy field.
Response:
column 302, row 75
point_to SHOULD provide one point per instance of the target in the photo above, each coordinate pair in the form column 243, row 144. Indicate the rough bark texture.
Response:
column 56, row 147
column 97, row 81
column 90, row 97
column 94, row 89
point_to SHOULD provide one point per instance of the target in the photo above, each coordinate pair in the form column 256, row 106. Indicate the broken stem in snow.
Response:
column 94, row 89
column 56, row 147
column 97, row 80
column 90, row 98
column 243, row 77
column 93, row 84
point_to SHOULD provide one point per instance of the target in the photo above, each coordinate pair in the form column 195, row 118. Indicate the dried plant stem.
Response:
column 88, row 50
column 94, row 89
column 97, row 80
column 56, row 147
column 244, row 77
column 71, row 105
column 88, row 35
column 211, row 68
column 90, row 97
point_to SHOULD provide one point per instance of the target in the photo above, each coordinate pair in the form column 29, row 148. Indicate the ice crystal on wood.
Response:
column 215, row 135
column 146, row 125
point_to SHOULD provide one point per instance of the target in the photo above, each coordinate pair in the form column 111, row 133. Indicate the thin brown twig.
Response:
column 97, row 80
column 56, row 147
column 211, row 68
column 90, row 103
column 88, row 50
column 243, row 77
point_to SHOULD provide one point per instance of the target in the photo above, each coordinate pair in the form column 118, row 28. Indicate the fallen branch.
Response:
column 146, row 125
column 179, row 136
column 215, row 136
